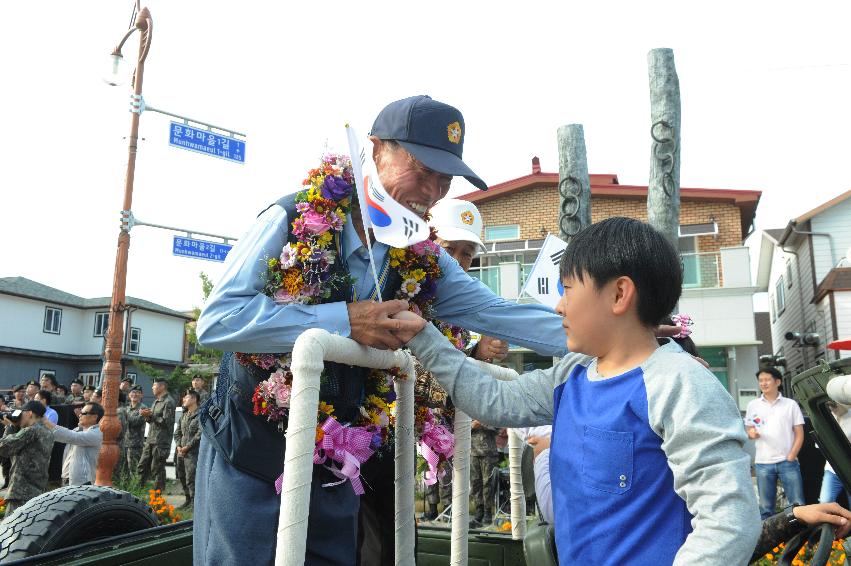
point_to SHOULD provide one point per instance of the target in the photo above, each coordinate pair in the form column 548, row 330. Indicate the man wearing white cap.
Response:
column 458, row 225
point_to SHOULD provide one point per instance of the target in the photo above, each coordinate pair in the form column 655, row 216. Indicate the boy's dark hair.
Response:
column 772, row 372
column 46, row 396
column 96, row 408
column 687, row 344
column 194, row 394
column 625, row 247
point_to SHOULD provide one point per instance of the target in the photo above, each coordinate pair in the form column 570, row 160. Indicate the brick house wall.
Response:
column 541, row 205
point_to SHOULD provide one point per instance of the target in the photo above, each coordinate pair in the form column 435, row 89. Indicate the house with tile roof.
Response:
column 717, row 287
column 806, row 267
column 47, row 330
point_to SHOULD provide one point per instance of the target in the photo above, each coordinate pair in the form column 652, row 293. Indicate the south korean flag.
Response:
column 543, row 282
column 391, row 223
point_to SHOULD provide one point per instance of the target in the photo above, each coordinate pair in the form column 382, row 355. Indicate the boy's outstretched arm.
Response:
column 527, row 401
column 703, row 438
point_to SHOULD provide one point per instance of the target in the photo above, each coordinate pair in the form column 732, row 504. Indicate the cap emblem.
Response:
column 467, row 217
column 453, row 130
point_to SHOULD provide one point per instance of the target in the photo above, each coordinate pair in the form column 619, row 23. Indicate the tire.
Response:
column 69, row 516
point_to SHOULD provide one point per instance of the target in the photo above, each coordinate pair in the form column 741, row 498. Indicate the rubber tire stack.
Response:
column 69, row 516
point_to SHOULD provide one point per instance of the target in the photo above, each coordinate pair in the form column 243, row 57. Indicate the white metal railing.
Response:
column 311, row 350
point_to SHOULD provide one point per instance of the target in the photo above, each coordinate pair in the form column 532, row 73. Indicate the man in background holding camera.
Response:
column 29, row 449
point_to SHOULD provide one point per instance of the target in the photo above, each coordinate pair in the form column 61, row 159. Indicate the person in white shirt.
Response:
column 538, row 437
column 82, row 446
column 776, row 424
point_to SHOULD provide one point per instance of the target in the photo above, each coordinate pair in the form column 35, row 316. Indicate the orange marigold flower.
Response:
column 292, row 281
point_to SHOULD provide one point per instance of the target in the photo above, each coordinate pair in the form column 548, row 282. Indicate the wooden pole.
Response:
column 663, row 195
column 574, row 186
column 111, row 373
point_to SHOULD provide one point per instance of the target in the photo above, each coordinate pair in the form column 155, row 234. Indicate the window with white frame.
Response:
column 101, row 323
column 789, row 273
column 52, row 320
column 771, row 308
column 133, row 340
column 780, row 296
column 507, row 232
column 132, row 376
column 89, row 377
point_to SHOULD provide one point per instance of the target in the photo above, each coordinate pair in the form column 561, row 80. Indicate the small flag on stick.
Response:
column 391, row 223
column 543, row 282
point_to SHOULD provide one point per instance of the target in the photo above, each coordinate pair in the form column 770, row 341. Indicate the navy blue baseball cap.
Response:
column 431, row 131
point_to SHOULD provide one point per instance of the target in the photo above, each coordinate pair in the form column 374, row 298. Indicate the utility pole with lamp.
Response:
column 110, row 425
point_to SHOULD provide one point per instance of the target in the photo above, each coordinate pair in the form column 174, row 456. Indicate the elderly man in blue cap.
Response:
column 417, row 148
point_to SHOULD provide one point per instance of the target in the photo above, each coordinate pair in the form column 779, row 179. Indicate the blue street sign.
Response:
column 206, row 142
column 200, row 249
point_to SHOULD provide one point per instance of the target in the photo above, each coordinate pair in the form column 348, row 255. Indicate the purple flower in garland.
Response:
column 428, row 289
column 335, row 188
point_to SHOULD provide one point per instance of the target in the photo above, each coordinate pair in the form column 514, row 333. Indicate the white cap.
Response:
column 454, row 219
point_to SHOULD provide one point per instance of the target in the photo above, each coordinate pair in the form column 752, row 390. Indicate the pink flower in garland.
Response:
column 315, row 223
column 426, row 247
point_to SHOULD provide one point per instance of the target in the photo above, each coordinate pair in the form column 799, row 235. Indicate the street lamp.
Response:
column 111, row 373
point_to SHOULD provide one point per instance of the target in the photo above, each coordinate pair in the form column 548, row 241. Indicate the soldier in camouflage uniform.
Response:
column 29, row 449
column 483, row 461
column 157, row 445
column 125, row 387
column 121, row 470
column 134, row 434
column 17, row 402
column 187, row 437
column 76, row 394
column 199, row 384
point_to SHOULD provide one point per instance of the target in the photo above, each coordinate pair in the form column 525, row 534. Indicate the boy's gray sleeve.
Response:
column 704, row 441
column 527, row 401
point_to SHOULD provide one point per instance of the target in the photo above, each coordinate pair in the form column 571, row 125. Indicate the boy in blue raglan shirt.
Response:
column 647, row 455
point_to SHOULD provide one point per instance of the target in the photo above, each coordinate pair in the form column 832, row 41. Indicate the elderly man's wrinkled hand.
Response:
column 491, row 349
column 374, row 324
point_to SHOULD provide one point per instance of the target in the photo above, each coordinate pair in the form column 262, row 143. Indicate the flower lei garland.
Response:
column 684, row 321
column 303, row 274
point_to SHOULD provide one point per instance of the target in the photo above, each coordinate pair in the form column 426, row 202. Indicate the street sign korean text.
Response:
column 206, row 142
column 200, row 249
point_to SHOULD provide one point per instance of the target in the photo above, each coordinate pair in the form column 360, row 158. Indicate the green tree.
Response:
column 208, row 358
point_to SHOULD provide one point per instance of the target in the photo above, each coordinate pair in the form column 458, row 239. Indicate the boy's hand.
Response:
column 752, row 433
column 538, row 444
column 491, row 349
column 831, row 513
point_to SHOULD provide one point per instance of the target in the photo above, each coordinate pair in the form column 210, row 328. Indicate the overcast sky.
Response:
column 765, row 90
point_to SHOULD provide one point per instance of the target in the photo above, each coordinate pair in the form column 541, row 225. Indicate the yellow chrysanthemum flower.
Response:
column 418, row 274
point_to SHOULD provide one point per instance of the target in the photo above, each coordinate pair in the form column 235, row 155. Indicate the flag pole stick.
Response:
column 357, row 158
